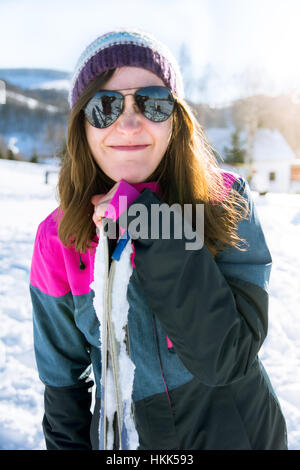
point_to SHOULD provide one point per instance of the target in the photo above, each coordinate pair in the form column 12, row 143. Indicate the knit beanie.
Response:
column 124, row 47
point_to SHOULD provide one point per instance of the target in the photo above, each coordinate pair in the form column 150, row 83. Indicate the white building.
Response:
column 273, row 166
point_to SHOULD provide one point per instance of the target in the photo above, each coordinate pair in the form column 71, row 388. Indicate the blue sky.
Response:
column 231, row 36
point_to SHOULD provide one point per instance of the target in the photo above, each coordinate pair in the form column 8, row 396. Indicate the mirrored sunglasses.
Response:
column 156, row 103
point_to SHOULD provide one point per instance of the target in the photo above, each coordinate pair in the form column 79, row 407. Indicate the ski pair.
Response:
column 110, row 358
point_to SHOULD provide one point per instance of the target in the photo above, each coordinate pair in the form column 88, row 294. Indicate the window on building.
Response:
column 272, row 176
column 295, row 173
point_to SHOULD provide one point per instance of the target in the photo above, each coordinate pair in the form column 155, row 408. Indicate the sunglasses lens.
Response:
column 155, row 102
column 104, row 108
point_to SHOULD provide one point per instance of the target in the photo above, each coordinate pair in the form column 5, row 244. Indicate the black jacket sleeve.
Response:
column 217, row 323
column 67, row 418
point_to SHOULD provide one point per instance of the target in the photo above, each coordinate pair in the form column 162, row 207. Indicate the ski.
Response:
column 114, row 355
column 104, row 360
column 110, row 352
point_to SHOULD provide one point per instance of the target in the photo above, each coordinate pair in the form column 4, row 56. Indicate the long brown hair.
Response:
column 188, row 174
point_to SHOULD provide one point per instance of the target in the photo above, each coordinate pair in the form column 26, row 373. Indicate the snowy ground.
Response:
column 24, row 201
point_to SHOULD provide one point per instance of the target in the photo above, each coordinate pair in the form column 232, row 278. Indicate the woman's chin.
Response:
column 131, row 178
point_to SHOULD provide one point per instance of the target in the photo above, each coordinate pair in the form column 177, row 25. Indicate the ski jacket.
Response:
column 194, row 327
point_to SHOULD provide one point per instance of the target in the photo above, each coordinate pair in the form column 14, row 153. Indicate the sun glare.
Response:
column 280, row 46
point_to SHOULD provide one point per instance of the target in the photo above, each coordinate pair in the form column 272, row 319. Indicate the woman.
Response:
column 172, row 329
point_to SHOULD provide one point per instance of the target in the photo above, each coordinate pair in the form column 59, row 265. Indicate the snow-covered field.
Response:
column 24, row 201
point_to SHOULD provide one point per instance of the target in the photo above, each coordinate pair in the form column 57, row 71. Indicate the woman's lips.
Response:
column 129, row 147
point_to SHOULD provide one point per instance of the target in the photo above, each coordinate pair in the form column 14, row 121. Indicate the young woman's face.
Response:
column 133, row 146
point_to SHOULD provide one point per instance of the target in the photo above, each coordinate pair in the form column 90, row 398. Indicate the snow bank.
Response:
column 24, row 201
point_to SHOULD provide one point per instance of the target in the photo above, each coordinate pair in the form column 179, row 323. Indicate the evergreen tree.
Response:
column 10, row 155
column 34, row 158
column 235, row 154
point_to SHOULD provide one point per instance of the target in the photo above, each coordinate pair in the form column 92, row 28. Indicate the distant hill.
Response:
column 33, row 119
column 28, row 79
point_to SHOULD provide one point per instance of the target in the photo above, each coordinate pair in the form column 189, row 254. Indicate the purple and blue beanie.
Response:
column 125, row 47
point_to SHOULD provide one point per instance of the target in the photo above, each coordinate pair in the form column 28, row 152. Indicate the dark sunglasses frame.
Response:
column 156, row 103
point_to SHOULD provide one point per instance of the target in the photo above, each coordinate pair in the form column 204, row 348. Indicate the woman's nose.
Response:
column 130, row 119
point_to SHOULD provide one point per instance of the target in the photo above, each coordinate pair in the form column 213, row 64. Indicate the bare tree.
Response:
column 186, row 67
column 3, row 147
